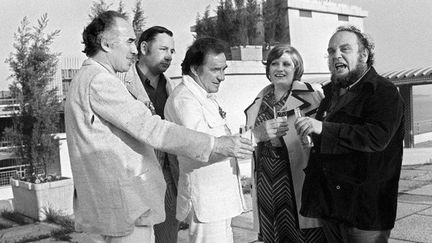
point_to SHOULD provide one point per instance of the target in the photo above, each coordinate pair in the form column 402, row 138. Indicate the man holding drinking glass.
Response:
column 353, row 171
column 209, row 196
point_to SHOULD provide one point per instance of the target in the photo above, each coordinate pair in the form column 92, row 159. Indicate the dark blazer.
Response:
column 353, row 170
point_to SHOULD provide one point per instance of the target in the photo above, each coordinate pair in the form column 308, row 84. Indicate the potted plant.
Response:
column 36, row 123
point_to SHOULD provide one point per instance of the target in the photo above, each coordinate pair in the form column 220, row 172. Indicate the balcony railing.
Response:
column 422, row 127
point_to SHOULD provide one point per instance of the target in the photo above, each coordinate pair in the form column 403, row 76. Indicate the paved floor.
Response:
column 414, row 217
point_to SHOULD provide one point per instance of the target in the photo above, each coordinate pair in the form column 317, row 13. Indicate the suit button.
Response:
column 337, row 187
column 313, row 150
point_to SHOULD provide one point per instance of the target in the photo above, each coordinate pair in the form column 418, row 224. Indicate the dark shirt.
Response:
column 157, row 96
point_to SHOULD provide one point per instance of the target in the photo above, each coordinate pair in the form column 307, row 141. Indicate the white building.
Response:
column 312, row 23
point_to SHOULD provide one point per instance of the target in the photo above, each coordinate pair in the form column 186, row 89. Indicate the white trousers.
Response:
column 209, row 232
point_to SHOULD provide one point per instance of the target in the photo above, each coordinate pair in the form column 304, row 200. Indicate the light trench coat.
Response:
column 214, row 190
column 308, row 98
column 111, row 140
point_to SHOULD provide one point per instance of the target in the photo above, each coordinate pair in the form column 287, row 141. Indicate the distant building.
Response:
column 66, row 70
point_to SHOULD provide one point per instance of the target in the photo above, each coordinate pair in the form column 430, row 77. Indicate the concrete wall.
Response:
column 310, row 35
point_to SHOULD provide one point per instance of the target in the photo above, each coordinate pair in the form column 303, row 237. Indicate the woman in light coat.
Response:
column 278, row 163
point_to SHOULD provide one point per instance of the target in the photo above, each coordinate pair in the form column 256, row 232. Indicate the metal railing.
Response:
column 9, row 171
column 422, row 127
column 10, row 101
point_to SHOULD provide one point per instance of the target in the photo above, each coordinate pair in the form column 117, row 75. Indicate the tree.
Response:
column 120, row 8
column 97, row 8
column 33, row 66
column 275, row 28
column 235, row 24
column 205, row 26
column 225, row 28
column 252, row 17
column 240, row 22
column 138, row 21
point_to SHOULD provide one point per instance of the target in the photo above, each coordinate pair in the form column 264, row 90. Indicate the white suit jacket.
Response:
column 213, row 191
column 308, row 98
column 111, row 139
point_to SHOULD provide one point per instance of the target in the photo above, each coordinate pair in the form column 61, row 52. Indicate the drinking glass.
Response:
column 305, row 140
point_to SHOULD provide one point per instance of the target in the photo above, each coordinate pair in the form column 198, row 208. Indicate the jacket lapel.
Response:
column 252, row 110
column 368, row 79
column 134, row 85
column 298, row 97
column 343, row 101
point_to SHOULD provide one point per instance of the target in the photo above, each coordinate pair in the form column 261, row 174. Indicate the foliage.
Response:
column 58, row 217
column 275, row 29
column 238, row 23
column 226, row 26
column 252, row 17
column 205, row 25
column 38, row 178
column 15, row 217
column 235, row 23
column 99, row 7
column 138, row 21
column 121, row 9
column 34, row 66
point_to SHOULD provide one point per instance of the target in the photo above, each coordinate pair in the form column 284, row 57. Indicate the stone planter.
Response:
column 30, row 198
column 246, row 53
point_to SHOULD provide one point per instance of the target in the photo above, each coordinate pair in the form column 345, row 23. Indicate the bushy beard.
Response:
column 352, row 76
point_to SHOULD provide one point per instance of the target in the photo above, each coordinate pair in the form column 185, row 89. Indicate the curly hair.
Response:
column 363, row 39
column 92, row 34
column 277, row 51
column 200, row 48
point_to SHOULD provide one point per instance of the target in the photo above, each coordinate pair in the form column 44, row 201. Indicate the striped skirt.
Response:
column 277, row 210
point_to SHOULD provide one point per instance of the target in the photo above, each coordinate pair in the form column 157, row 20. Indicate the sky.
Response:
column 401, row 29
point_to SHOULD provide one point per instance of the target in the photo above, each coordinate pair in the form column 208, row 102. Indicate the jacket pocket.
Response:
column 132, row 194
column 342, row 196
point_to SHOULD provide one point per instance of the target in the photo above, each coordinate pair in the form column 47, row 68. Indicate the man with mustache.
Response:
column 353, row 171
column 147, row 82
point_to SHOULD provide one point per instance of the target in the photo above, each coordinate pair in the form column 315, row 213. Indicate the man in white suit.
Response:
column 112, row 136
column 146, row 81
column 209, row 195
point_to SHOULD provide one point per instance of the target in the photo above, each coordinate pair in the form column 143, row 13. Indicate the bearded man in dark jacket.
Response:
column 354, row 168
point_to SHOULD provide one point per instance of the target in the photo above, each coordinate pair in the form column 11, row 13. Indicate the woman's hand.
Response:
column 270, row 129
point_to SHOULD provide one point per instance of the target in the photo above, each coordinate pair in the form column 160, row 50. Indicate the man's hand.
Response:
column 270, row 129
column 233, row 146
column 307, row 125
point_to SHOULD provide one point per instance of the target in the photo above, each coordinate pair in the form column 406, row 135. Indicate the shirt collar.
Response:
column 106, row 66
column 146, row 80
column 197, row 90
column 358, row 80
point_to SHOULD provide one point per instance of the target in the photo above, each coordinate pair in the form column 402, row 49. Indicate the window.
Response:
column 305, row 13
column 343, row 17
